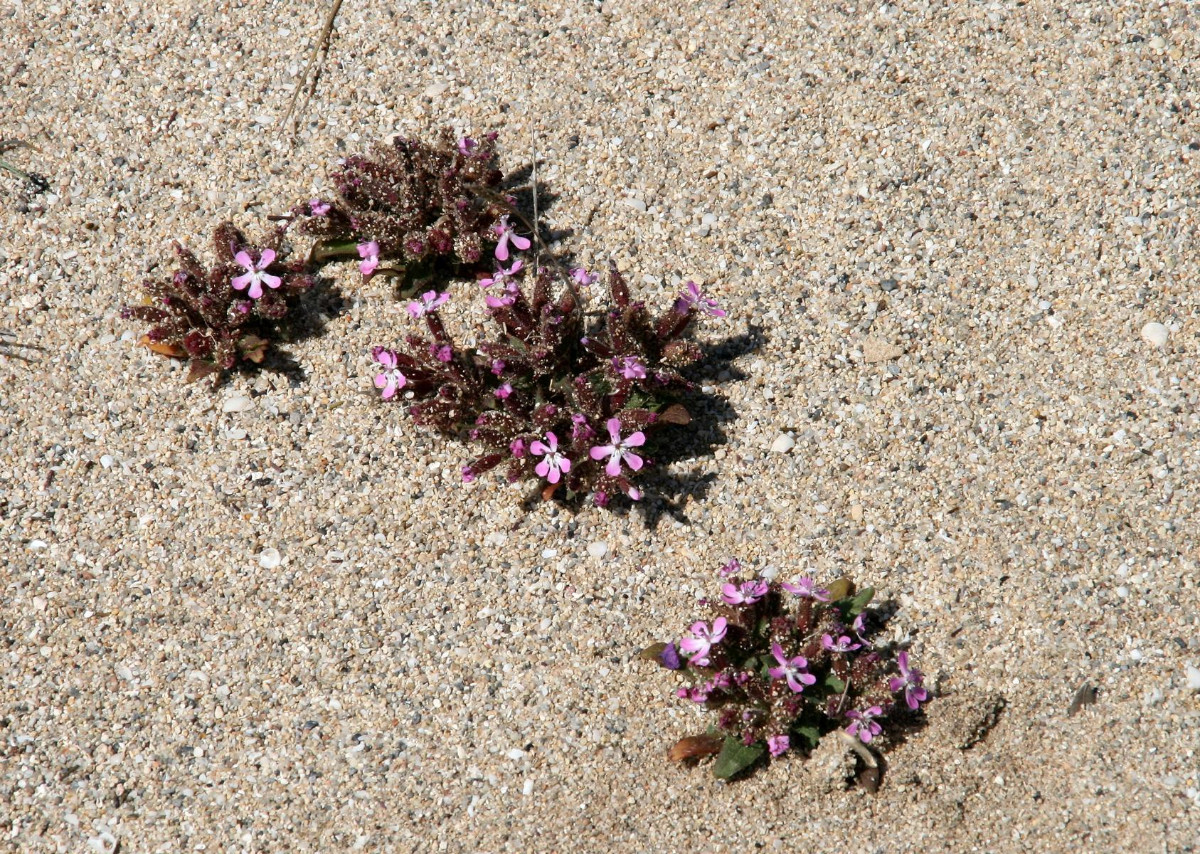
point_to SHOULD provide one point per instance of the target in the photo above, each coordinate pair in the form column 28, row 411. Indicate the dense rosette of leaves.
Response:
column 782, row 664
column 198, row 314
column 417, row 201
column 550, row 369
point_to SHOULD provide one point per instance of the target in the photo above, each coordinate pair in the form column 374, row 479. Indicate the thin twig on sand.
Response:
column 312, row 71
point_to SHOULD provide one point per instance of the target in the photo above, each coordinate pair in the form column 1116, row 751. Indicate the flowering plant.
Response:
column 567, row 398
column 411, row 204
column 219, row 317
column 784, row 663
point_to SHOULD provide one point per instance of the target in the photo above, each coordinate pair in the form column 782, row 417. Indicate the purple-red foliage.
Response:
column 198, row 315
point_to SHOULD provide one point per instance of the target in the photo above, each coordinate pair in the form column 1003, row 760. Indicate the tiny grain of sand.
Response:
column 940, row 229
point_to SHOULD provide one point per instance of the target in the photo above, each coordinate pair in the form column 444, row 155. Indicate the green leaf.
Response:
column 860, row 601
column 834, row 684
column 652, row 652
column 736, row 757
column 840, row 589
column 809, row 733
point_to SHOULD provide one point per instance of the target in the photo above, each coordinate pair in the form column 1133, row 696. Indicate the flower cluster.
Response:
column 218, row 317
column 412, row 203
column 782, row 663
column 553, row 395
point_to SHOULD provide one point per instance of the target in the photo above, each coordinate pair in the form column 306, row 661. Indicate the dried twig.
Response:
column 311, row 70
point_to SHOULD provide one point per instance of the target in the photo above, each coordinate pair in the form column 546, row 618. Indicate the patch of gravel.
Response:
column 272, row 618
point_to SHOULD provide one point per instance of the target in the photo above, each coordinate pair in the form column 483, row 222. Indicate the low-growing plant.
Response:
column 412, row 207
column 783, row 663
column 569, row 397
column 220, row 317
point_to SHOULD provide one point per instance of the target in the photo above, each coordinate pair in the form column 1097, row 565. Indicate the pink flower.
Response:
column 441, row 352
column 510, row 296
column 778, row 744
column 842, row 644
column 504, row 391
column 430, row 301
column 369, row 252
column 500, row 277
column 693, row 298
column 791, row 669
column 619, row 450
column 910, row 681
column 747, row 594
column 806, row 588
column 497, row 366
column 506, row 233
column 580, row 429
column 864, row 725
column 316, row 207
column 466, row 145
column 701, row 640
column 517, row 446
column 390, row 380
column 468, row 474
column 731, row 568
column 583, row 278
column 629, row 367
column 553, row 464
column 254, row 277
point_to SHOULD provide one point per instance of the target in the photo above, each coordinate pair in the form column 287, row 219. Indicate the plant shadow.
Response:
column 309, row 319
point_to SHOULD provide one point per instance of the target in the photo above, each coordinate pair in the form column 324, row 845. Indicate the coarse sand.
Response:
column 272, row 618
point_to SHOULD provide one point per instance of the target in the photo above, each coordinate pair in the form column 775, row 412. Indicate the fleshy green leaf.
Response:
column 834, row 684
column 809, row 733
column 652, row 652
column 736, row 757
column 840, row 589
column 860, row 601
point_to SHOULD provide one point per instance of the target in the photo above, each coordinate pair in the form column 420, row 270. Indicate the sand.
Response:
column 939, row 229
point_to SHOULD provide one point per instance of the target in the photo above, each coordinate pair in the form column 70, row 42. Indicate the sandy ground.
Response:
column 939, row 228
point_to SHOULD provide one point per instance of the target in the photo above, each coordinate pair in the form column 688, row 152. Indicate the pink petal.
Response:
column 543, row 468
column 239, row 283
column 553, row 476
column 520, row 242
column 243, row 258
column 256, row 290
column 381, row 380
column 266, row 259
column 601, row 451
column 636, row 440
column 565, row 464
column 539, row 448
column 269, row 280
column 614, row 430
column 633, row 461
column 614, row 466
column 502, row 248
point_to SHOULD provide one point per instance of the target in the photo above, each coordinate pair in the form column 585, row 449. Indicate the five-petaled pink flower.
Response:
column 692, row 297
column 842, row 644
column 791, row 669
column 389, row 380
column 501, row 276
column 583, row 278
column 700, row 640
column 255, row 277
column 466, row 145
column 747, row 593
column 369, row 253
column 619, row 450
column 506, row 233
column 316, row 207
column 806, row 588
column 504, row 391
column 778, row 744
column 910, row 681
column 731, row 568
column 864, row 725
column 629, row 367
column 430, row 301
column 553, row 464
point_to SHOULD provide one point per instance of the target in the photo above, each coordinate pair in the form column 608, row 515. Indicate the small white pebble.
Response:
column 104, row 843
column 496, row 538
column 1155, row 333
column 269, row 558
column 124, row 673
column 237, row 404
column 37, row 545
column 783, row 443
column 549, row 553
column 235, row 433
column 1193, row 677
column 599, row 549
column 527, row 789
column 106, row 461
column 515, row 754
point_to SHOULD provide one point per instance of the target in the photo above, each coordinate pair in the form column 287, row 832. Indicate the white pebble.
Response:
column 637, row 204
column 235, row 433
column 496, row 538
column 237, row 404
column 105, row 843
column 527, row 789
column 106, row 461
column 269, row 558
column 1193, row 677
column 515, row 754
column 549, row 553
column 1155, row 333
column 783, row 443
column 599, row 549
